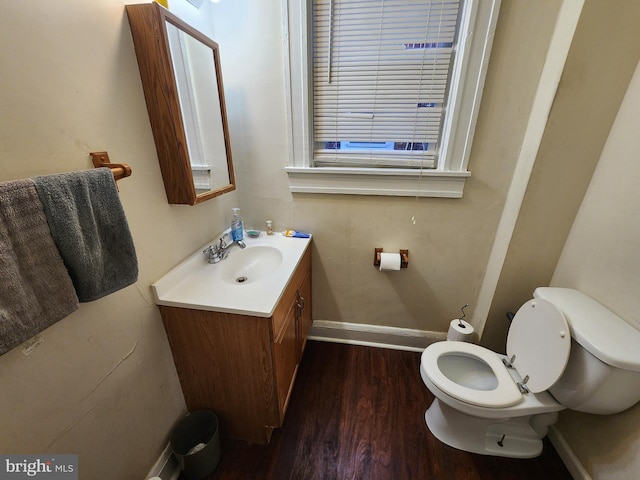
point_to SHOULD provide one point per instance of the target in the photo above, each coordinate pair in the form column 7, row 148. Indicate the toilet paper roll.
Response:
column 389, row 261
column 460, row 331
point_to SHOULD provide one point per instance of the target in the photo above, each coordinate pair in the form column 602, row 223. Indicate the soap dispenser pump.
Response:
column 237, row 228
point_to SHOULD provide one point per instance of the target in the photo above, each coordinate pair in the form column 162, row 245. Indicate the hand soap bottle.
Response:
column 237, row 228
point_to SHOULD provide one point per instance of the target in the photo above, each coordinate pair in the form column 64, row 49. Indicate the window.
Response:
column 384, row 93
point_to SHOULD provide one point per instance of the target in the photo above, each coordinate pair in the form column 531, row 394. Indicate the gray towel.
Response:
column 35, row 288
column 89, row 227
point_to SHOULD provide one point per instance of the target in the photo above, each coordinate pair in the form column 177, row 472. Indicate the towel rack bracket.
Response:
column 119, row 170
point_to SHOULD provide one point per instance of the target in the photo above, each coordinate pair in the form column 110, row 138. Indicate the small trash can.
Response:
column 195, row 442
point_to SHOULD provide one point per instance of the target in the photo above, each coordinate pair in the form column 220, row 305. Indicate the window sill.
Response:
column 377, row 181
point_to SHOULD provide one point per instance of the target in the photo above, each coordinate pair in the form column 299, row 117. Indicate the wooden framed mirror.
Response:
column 182, row 83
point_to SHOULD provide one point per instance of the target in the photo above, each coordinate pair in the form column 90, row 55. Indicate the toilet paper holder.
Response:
column 404, row 257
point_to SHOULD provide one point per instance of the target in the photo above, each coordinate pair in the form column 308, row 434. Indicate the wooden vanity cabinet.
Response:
column 240, row 366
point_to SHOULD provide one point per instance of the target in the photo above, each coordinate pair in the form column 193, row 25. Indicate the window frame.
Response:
column 477, row 28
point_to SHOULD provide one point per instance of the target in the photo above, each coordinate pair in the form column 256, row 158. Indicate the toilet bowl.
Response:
column 478, row 401
column 504, row 404
column 467, row 371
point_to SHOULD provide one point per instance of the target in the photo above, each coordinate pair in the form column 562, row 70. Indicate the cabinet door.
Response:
column 285, row 359
column 224, row 364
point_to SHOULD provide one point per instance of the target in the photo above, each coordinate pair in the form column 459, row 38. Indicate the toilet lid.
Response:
column 539, row 337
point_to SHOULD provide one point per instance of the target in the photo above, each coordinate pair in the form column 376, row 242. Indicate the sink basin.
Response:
column 253, row 263
column 249, row 281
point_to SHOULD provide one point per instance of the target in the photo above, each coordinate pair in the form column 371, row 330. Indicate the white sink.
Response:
column 249, row 281
column 254, row 263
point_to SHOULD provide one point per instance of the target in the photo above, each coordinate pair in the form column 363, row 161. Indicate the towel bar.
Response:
column 119, row 170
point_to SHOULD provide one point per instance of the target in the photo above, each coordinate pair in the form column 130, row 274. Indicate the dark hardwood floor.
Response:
column 358, row 413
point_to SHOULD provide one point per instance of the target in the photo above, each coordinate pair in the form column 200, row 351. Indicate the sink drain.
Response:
column 241, row 279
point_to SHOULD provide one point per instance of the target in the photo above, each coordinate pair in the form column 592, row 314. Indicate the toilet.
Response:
column 564, row 350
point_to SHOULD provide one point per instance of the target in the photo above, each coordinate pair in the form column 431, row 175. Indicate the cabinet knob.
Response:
column 299, row 301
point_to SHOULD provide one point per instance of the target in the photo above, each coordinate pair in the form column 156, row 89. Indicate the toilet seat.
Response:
column 539, row 338
column 539, row 341
column 505, row 394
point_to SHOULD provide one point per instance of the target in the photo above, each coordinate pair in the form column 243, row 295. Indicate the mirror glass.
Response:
column 194, row 69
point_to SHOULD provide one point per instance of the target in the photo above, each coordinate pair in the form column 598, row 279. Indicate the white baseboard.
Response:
column 571, row 461
column 374, row 335
column 165, row 467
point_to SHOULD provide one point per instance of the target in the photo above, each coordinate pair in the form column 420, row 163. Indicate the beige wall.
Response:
column 600, row 63
column 103, row 384
column 451, row 240
column 602, row 258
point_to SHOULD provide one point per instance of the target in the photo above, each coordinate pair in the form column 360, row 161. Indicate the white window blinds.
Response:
column 381, row 71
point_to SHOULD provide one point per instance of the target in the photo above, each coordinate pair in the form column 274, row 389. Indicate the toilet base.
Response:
column 517, row 437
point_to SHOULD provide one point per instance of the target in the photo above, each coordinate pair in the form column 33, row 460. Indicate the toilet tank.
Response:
column 602, row 375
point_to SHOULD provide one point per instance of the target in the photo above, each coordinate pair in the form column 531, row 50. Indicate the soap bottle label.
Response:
column 237, row 233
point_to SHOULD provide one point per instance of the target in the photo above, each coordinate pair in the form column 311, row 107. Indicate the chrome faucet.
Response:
column 220, row 251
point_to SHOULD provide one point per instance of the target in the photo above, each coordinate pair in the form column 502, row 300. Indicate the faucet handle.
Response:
column 212, row 252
